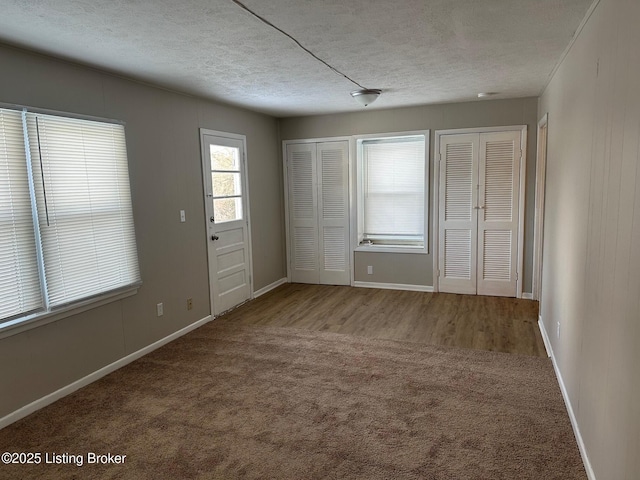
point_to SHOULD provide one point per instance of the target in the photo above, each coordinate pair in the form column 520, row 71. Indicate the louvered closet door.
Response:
column 499, row 174
column 457, row 213
column 303, row 212
column 333, row 212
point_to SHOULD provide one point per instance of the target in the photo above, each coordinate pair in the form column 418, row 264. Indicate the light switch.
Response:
column 183, row 217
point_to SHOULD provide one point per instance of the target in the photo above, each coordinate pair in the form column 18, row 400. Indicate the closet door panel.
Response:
column 499, row 174
column 457, row 213
column 303, row 213
column 333, row 212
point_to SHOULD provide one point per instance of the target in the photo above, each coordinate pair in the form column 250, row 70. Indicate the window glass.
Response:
column 227, row 209
column 226, row 182
column 224, row 158
column 73, row 231
column 392, row 190
column 19, row 277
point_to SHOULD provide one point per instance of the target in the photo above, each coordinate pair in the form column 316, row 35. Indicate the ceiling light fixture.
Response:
column 364, row 96
column 487, row 94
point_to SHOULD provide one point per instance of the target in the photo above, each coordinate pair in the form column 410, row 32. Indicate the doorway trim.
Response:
column 436, row 195
column 245, row 174
column 538, row 227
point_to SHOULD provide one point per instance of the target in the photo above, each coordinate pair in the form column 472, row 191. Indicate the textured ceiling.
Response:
column 417, row 52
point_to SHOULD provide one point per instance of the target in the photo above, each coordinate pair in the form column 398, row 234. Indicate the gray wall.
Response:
column 417, row 269
column 591, row 260
column 166, row 176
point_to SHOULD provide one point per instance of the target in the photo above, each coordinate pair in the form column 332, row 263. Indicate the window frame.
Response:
column 357, row 212
column 47, row 314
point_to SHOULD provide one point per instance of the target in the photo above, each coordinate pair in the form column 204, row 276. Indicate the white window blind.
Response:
column 394, row 190
column 66, row 222
column 83, row 199
column 19, row 278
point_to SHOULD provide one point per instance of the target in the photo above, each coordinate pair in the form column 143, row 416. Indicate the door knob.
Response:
column 214, row 237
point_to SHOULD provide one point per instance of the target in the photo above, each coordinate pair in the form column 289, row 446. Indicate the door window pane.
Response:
column 225, row 184
column 227, row 209
column 224, row 158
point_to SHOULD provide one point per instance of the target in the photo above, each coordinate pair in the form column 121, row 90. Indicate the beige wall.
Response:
column 591, row 260
column 417, row 269
column 166, row 176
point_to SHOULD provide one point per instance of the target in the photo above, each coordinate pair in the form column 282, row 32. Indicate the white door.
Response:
column 225, row 184
column 318, row 200
column 478, row 213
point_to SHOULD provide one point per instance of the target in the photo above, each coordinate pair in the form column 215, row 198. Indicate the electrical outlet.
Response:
column 189, row 303
column 160, row 309
column 558, row 330
column 183, row 216
column 370, row 270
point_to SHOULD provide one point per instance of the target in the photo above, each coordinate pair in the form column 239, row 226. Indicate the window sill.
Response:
column 391, row 249
column 35, row 320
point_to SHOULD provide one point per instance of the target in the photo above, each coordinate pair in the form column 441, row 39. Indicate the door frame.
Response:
column 436, row 195
column 285, row 177
column 205, row 196
column 538, row 227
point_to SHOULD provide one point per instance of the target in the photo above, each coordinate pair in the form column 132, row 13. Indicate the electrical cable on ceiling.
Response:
column 267, row 22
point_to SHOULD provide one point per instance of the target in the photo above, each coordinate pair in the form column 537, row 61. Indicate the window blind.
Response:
column 394, row 185
column 84, row 209
column 19, row 277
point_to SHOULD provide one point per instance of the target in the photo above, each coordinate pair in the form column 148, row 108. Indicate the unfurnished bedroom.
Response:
column 308, row 240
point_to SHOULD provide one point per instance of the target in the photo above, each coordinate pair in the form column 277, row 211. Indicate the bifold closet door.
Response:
column 478, row 213
column 318, row 184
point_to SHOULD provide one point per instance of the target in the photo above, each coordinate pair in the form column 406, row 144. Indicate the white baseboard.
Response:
column 565, row 395
column 394, row 286
column 545, row 338
column 270, row 287
column 527, row 295
column 98, row 374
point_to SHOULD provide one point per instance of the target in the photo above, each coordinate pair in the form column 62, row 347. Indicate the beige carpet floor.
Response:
column 230, row 401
